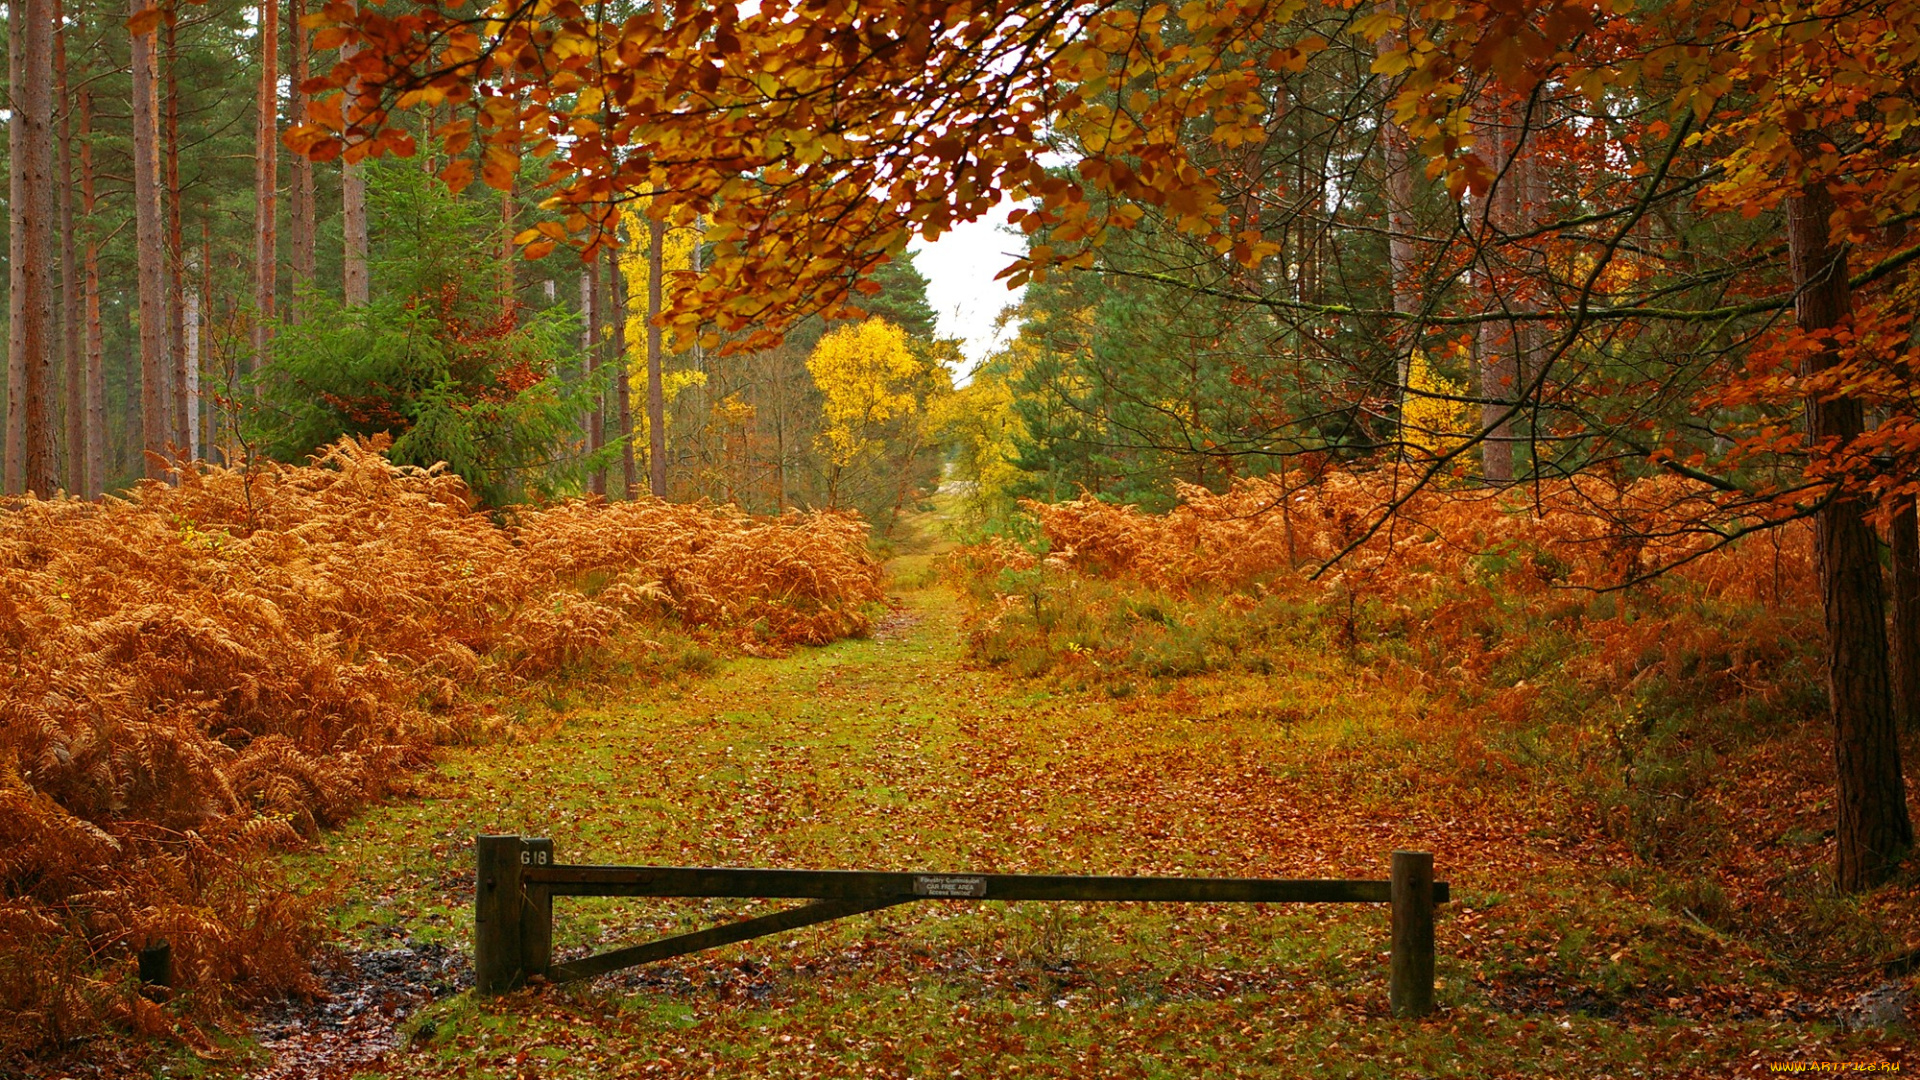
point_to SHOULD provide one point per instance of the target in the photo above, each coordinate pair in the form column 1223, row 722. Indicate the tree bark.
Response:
column 597, row 420
column 509, row 289
column 96, row 388
column 1400, row 255
column 266, row 179
column 656, row 388
column 181, row 409
column 33, row 338
column 300, row 194
column 150, row 253
column 190, row 343
column 1872, row 830
column 73, row 349
column 13, row 455
column 617, row 301
column 353, row 212
column 1904, row 538
column 1498, row 344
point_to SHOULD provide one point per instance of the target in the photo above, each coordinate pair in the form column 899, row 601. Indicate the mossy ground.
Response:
column 1559, row 956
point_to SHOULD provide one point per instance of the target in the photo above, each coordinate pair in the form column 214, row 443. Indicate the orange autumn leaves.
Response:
column 811, row 132
column 203, row 672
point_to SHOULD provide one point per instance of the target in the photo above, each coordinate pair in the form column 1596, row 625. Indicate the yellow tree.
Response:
column 867, row 374
column 1438, row 416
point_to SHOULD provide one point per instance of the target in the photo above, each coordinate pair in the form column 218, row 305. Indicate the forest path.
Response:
column 895, row 753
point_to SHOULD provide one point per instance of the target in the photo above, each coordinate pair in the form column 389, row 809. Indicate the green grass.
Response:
column 897, row 753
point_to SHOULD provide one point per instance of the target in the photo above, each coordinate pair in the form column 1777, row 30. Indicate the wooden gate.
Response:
column 517, row 879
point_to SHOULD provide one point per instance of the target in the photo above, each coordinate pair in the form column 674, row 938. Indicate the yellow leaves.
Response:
column 678, row 246
column 1377, row 24
column 865, row 374
column 1429, row 417
column 1390, row 63
column 430, row 96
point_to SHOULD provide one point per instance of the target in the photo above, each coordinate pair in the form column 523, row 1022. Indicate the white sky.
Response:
column 959, row 268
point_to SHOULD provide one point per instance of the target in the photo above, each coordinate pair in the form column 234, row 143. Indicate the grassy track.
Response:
column 892, row 753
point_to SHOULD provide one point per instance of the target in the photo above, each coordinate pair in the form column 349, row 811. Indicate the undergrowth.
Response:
column 1680, row 713
column 200, row 674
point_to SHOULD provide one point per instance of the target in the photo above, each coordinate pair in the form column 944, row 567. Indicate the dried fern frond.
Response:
column 202, row 672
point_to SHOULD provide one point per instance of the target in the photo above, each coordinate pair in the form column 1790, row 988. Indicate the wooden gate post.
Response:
column 1410, row 991
column 536, row 911
column 498, row 955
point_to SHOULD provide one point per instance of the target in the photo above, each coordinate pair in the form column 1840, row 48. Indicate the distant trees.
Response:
column 1601, row 225
column 752, row 428
column 162, row 245
column 33, row 339
column 434, row 358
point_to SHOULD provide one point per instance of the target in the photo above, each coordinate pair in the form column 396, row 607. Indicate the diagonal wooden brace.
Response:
column 791, row 919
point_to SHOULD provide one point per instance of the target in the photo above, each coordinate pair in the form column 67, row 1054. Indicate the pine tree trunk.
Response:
column 73, row 349
column 301, row 213
column 597, row 421
column 215, row 442
column 1397, row 155
column 190, row 321
column 617, row 301
column 353, row 213
column 176, row 257
column 150, row 254
column 656, row 387
column 96, row 388
column 13, row 459
column 33, row 336
column 1904, row 539
column 1873, row 831
column 1499, row 373
column 266, row 178
column 586, row 341
column 509, row 290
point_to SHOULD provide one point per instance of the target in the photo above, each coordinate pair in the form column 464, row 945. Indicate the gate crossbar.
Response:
column 517, row 880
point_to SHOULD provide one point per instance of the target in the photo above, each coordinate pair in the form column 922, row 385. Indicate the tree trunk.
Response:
column 656, row 389
column 1872, row 829
column 1498, row 344
column 33, row 336
column 150, row 253
column 266, row 179
column 13, row 459
column 190, row 321
column 182, row 410
column 509, row 290
column 300, row 197
column 215, row 442
column 597, row 420
column 617, row 301
column 353, row 212
column 1904, row 538
column 1400, row 226
column 96, row 388
column 73, row 349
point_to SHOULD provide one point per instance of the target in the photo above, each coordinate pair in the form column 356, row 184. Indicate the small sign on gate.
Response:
column 949, row 885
